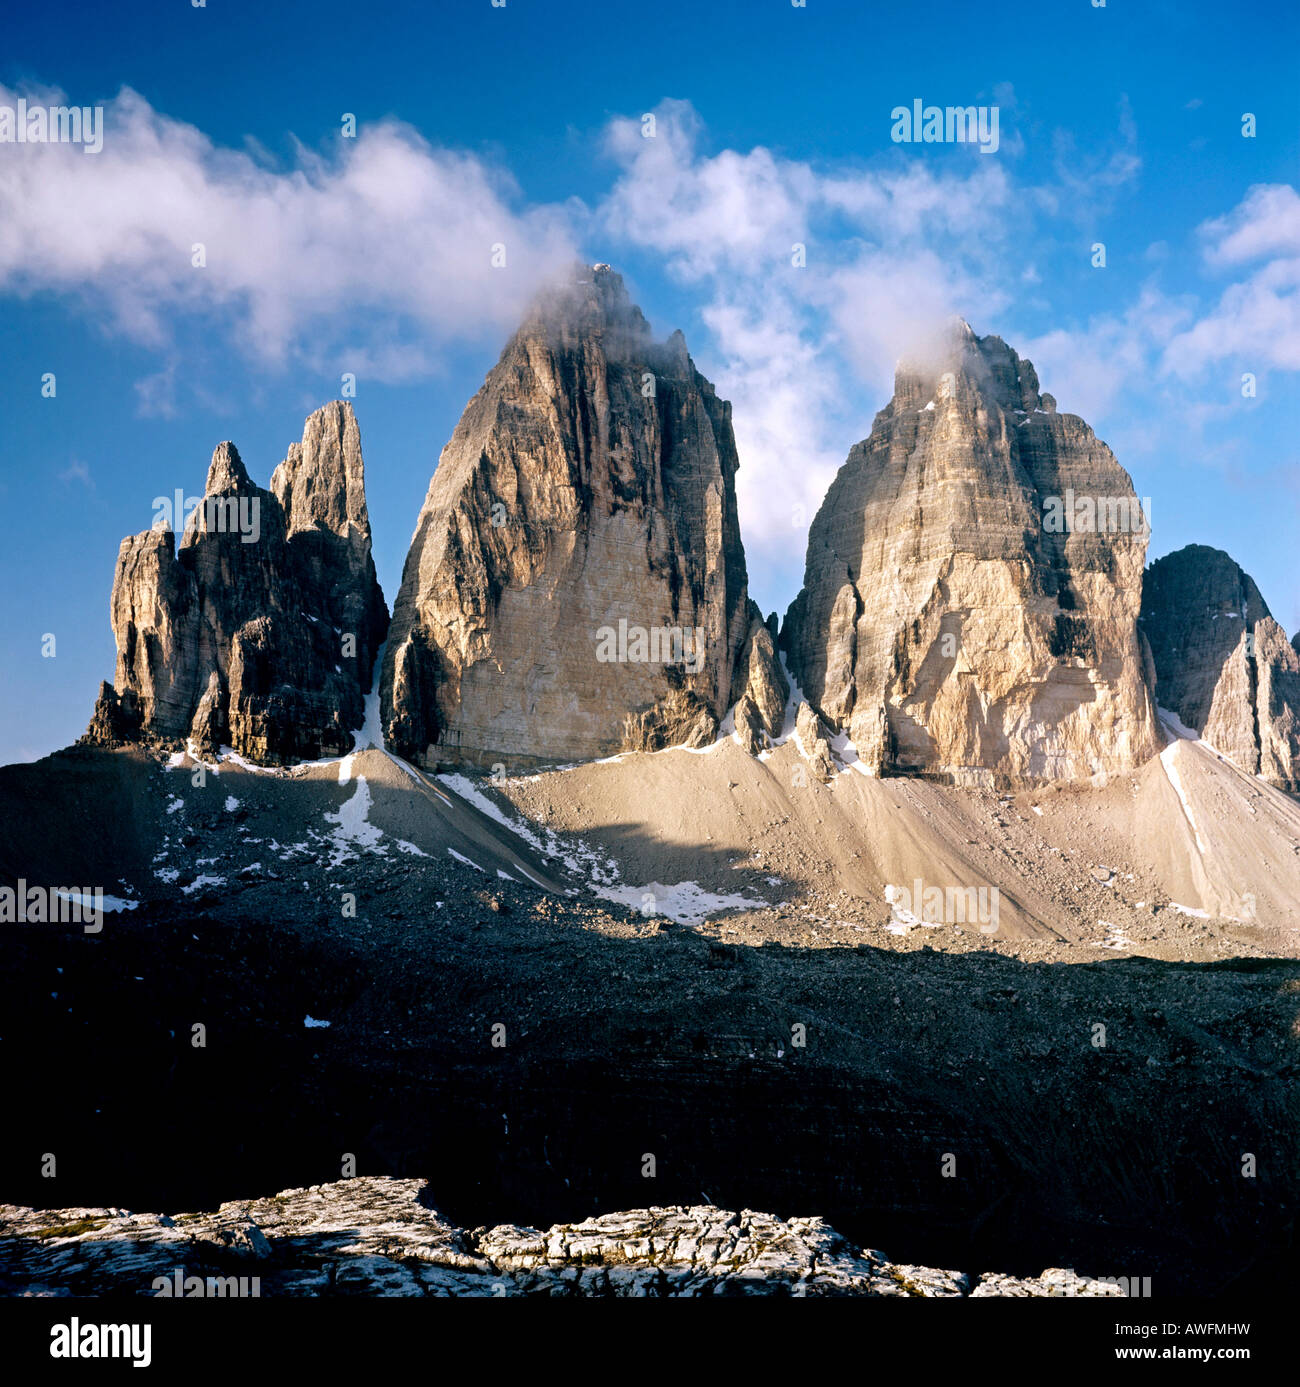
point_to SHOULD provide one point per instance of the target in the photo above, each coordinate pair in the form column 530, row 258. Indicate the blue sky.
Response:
column 523, row 125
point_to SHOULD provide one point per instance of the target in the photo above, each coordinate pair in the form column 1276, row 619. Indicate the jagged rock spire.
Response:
column 262, row 626
column 1222, row 663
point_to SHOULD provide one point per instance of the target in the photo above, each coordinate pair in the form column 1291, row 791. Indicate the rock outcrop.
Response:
column 576, row 584
column 814, row 741
column 1222, row 663
column 760, row 709
column 260, row 630
column 375, row 1236
column 973, row 578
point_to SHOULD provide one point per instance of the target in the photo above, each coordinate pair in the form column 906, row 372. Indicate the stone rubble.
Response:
column 377, row 1236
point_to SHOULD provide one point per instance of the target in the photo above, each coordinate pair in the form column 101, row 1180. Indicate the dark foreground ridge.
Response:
column 382, row 1237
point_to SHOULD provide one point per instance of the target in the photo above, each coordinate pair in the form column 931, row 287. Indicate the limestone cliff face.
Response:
column 576, row 583
column 1222, row 663
column 972, row 584
column 260, row 630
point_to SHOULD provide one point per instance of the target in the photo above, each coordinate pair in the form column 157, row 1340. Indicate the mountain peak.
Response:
column 588, row 301
column 1222, row 663
column 226, row 472
column 260, row 632
column 957, row 362
column 582, row 515
column 944, row 621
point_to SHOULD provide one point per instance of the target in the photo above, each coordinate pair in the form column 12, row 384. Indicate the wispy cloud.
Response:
column 77, row 472
column 337, row 250
column 1256, row 320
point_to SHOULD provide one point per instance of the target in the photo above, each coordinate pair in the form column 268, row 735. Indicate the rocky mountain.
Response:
column 1223, row 664
column 971, row 591
column 576, row 584
column 260, row 629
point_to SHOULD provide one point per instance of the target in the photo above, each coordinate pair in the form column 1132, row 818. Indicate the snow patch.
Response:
column 685, row 903
column 902, row 920
column 579, row 857
column 103, row 903
column 1115, row 937
column 1169, row 759
column 354, row 830
column 201, row 881
column 372, row 729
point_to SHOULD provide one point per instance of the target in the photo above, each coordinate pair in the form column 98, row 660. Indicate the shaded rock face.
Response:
column 971, row 592
column 260, row 630
column 760, row 708
column 576, row 583
column 1223, row 665
column 378, row 1236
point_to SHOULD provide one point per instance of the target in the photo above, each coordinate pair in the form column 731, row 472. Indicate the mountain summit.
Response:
column 1222, row 663
column 576, row 584
column 972, row 583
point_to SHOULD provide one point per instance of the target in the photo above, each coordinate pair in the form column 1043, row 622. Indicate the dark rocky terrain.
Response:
column 625, row 1036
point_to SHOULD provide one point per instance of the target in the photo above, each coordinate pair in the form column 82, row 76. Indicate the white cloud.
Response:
column 382, row 230
column 375, row 256
column 805, row 353
column 1265, row 222
column 1256, row 320
column 1093, row 369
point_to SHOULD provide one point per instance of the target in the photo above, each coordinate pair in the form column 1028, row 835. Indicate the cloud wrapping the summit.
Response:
column 812, row 283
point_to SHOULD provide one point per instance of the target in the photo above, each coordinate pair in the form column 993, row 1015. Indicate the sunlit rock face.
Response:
column 972, row 585
column 576, row 583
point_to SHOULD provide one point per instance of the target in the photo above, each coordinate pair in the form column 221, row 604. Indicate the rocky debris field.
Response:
column 524, row 1048
column 382, row 1237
